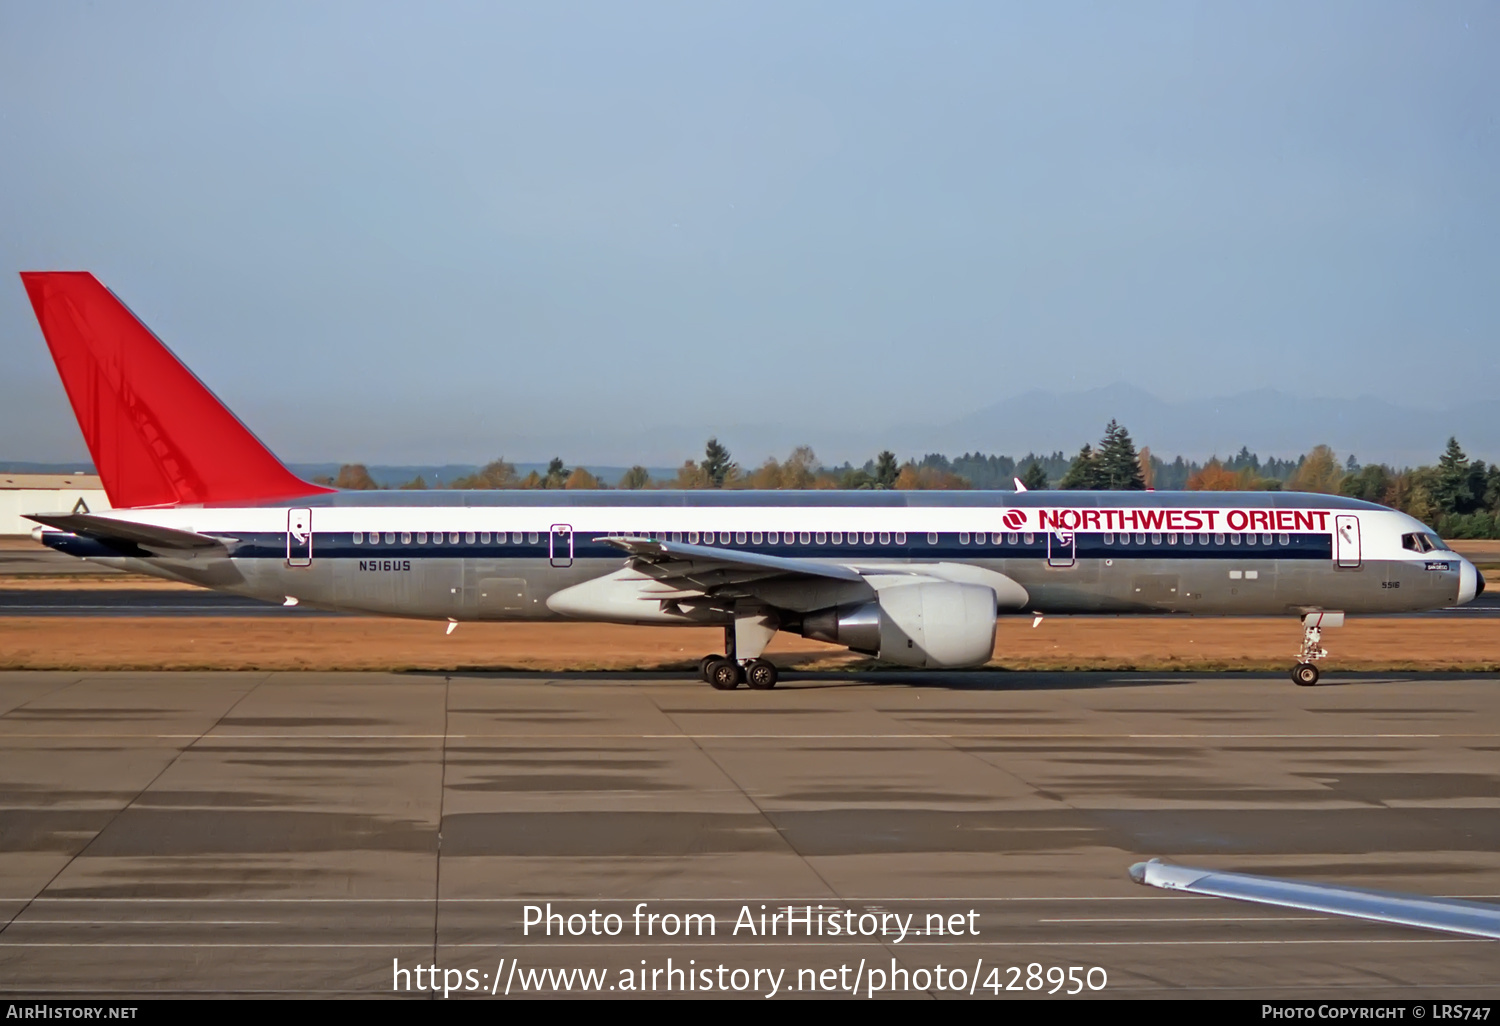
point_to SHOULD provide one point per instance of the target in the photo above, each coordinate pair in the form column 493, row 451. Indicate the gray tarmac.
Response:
column 309, row 834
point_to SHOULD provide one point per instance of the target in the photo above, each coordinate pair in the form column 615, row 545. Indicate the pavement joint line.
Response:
column 121, row 810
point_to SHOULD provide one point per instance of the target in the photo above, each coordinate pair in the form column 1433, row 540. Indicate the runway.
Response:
column 96, row 601
column 294, row 833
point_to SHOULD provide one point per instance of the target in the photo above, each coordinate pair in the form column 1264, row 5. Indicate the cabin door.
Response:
column 1346, row 539
column 299, row 537
column 1060, row 548
column 560, row 545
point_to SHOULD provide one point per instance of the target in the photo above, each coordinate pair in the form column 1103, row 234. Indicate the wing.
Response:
column 127, row 534
column 1473, row 918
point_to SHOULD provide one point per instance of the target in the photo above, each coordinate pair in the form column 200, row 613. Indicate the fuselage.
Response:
column 540, row 555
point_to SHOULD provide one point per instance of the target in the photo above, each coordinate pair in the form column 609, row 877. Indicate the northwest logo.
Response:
column 1014, row 519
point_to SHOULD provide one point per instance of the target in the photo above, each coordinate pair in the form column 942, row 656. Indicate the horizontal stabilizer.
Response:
column 108, row 529
column 1452, row 915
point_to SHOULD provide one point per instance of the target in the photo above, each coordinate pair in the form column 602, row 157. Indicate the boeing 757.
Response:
column 917, row 579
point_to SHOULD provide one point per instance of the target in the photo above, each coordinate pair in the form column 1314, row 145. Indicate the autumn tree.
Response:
column 355, row 477
column 1319, row 472
column 495, row 474
column 690, row 475
column 416, row 484
column 581, row 478
column 1215, row 477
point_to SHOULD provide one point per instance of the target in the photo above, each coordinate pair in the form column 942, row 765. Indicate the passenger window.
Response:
column 932, row 538
column 724, row 538
column 532, row 537
column 468, row 537
column 740, row 537
column 900, row 537
column 963, row 537
column 692, row 537
column 1109, row 539
column 821, row 537
column 837, row 537
column 1286, row 539
column 1171, row 539
column 484, row 538
column 1218, row 539
column 805, row 538
column 1249, row 539
column 1156, row 539
column 390, row 538
column 421, row 537
column 773, row 537
column 359, row 537
column 1265, row 539
column 1028, row 537
column 756, row 537
column 1012, row 538
column 885, row 538
column 869, row 538
column 437, row 538
column 1234, row 539
column 677, row 536
column 1140, row 539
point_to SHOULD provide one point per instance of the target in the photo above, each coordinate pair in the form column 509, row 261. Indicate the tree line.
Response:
column 1457, row 496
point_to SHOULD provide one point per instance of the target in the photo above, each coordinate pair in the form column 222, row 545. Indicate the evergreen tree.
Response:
column 1118, row 465
column 557, row 473
column 886, row 470
column 716, row 463
column 1084, row 472
column 1034, row 477
column 1452, row 486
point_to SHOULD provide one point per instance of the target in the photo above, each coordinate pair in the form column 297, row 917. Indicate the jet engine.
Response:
column 932, row 625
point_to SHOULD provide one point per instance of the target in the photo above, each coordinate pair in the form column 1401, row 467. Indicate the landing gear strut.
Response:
column 1305, row 674
column 727, row 672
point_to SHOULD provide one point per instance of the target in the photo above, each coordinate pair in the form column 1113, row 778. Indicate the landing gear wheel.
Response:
column 1305, row 675
column 724, row 674
column 703, row 666
column 761, row 674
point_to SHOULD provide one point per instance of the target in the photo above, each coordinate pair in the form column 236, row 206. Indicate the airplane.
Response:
column 913, row 578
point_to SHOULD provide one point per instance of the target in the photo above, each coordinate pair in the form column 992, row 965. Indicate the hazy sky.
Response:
column 441, row 232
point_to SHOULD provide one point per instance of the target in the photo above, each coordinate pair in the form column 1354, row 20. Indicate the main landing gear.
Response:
column 726, row 672
column 1305, row 674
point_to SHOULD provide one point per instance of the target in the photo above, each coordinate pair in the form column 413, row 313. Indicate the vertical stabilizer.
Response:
column 157, row 435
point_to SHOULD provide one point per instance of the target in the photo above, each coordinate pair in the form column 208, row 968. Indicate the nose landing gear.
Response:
column 1305, row 674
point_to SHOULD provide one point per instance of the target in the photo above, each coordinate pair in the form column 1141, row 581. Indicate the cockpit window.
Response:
column 1421, row 541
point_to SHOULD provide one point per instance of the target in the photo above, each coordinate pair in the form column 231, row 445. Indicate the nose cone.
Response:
column 1470, row 582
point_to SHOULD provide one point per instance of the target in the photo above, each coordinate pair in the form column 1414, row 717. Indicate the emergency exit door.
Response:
column 1346, row 539
column 299, row 537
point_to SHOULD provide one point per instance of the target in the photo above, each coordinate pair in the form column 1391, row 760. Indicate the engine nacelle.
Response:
column 933, row 625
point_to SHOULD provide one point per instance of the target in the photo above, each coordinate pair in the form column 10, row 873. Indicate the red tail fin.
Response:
column 158, row 437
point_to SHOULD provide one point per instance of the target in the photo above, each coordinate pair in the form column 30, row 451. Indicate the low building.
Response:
column 46, row 493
